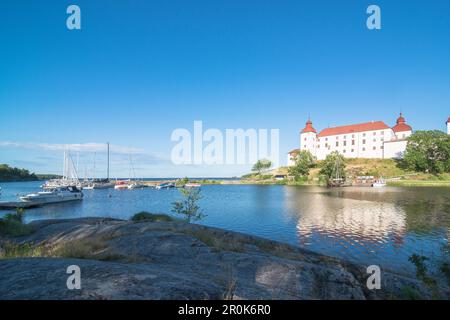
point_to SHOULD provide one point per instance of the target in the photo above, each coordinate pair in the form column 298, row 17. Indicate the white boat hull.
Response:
column 379, row 185
column 51, row 198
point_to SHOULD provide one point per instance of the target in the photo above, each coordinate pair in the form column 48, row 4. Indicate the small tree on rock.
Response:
column 188, row 207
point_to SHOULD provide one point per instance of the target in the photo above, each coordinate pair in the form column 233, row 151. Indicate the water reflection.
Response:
column 376, row 226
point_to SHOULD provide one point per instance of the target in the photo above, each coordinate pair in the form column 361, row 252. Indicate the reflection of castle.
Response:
column 344, row 217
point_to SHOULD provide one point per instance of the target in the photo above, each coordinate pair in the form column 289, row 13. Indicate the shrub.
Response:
column 151, row 217
column 188, row 207
column 12, row 224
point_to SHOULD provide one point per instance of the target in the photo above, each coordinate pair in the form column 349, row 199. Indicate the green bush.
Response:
column 12, row 224
column 151, row 217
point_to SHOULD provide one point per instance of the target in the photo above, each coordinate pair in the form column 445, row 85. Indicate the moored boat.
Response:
column 136, row 185
column 60, row 194
column 121, row 185
column 379, row 183
column 166, row 185
column 192, row 185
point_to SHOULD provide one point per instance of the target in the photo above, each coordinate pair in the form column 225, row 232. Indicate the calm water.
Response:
column 365, row 225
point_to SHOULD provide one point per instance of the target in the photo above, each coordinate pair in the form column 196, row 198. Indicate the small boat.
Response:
column 379, row 183
column 121, row 185
column 104, row 185
column 192, row 185
column 99, row 185
column 165, row 185
column 60, row 194
column 136, row 185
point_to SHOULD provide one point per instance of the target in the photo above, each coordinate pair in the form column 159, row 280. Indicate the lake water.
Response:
column 364, row 225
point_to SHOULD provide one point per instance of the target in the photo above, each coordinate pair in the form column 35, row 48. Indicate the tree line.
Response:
column 8, row 174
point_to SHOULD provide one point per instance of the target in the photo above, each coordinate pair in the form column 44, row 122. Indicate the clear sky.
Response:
column 137, row 70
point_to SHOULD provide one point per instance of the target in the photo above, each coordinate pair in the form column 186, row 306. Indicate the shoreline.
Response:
column 390, row 183
column 124, row 259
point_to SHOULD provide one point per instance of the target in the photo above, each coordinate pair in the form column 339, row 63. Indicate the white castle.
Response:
column 373, row 139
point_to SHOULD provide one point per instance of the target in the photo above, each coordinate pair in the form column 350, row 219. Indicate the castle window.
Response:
column 353, row 142
column 353, row 135
column 364, row 141
column 337, row 143
column 374, row 140
column 382, row 139
column 363, row 149
column 326, row 139
column 345, row 143
column 382, row 132
column 374, row 133
column 353, row 150
column 374, row 148
column 364, row 134
column 382, row 147
column 343, row 151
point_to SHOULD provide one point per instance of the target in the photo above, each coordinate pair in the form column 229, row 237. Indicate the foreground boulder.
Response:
column 175, row 260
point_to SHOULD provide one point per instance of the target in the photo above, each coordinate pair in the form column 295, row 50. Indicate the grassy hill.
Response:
column 386, row 168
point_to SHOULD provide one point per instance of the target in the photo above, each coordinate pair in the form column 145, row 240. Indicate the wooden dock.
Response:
column 17, row 204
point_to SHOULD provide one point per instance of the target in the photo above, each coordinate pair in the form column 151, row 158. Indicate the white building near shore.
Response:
column 373, row 139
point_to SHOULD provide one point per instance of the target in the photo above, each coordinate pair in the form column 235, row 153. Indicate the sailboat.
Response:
column 134, row 184
column 69, row 177
column 101, row 183
column 338, row 179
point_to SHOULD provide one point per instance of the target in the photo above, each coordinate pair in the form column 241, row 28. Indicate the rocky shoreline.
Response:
column 175, row 260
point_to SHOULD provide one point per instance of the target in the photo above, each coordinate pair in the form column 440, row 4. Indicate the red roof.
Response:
column 309, row 127
column 448, row 120
column 367, row 126
column 401, row 125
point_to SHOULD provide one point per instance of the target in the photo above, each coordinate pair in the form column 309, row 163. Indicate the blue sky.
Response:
column 137, row 70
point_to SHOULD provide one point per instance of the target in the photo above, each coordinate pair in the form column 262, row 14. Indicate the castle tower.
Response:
column 308, row 138
column 401, row 129
column 448, row 125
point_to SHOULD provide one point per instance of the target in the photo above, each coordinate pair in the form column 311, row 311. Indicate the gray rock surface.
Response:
column 175, row 260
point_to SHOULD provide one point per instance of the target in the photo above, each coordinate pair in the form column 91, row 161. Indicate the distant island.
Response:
column 13, row 174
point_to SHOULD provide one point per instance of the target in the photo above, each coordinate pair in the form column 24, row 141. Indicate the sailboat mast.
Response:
column 64, row 164
column 107, row 170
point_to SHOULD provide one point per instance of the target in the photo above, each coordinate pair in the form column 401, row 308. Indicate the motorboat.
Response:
column 192, row 185
column 121, row 185
column 103, row 185
column 379, row 183
column 98, row 185
column 166, row 185
column 136, row 185
column 59, row 194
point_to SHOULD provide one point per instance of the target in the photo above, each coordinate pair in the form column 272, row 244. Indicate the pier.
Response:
column 17, row 205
